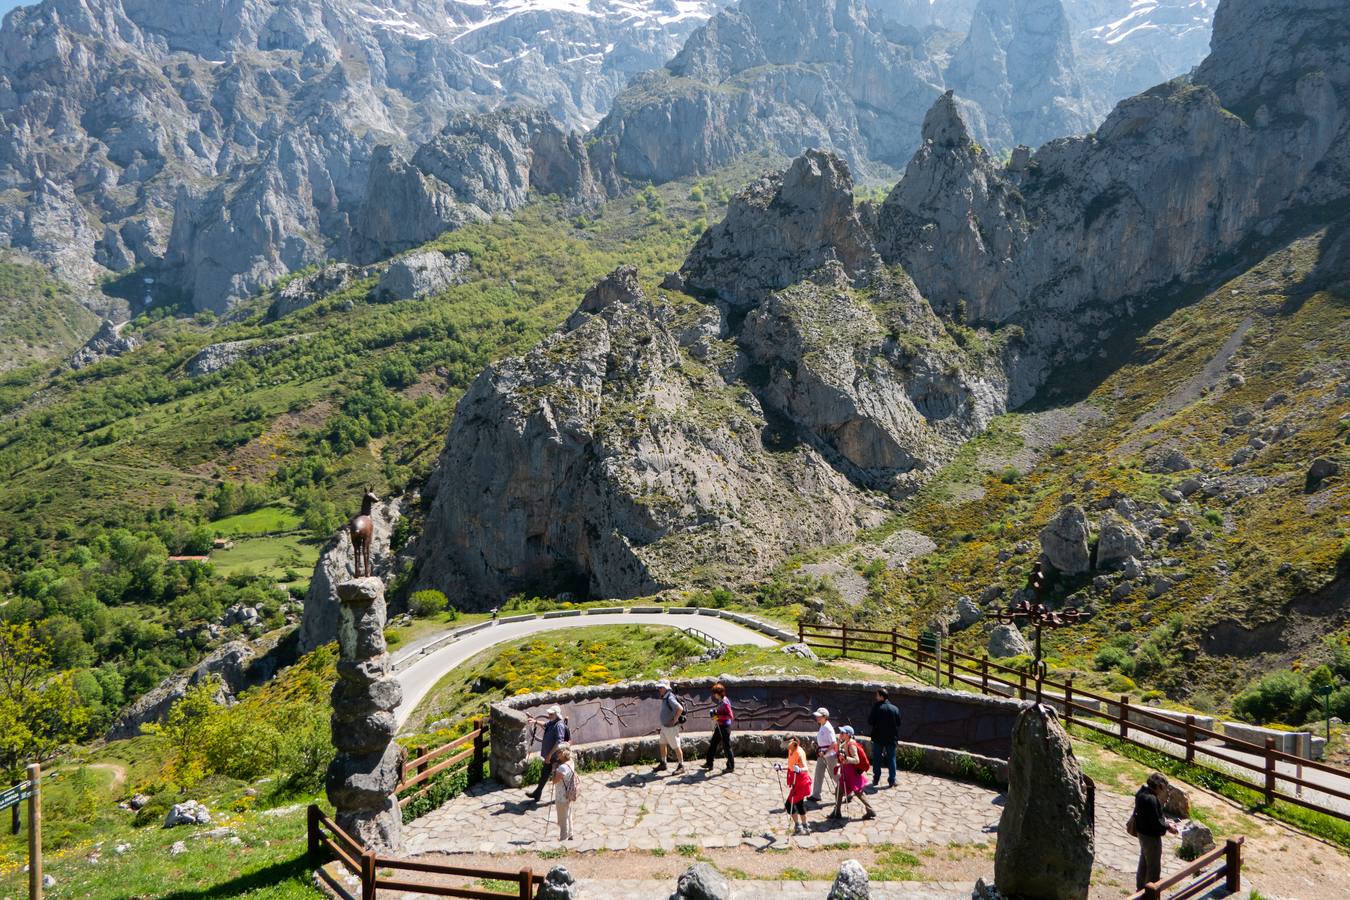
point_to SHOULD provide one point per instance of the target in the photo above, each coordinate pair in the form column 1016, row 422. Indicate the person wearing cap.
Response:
column 555, row 733
column 827, row 755
column 672, row 715
column 852, row 775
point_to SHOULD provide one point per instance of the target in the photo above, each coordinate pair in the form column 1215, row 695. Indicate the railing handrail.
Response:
column 1230, row 871
column 366, row 865
column 1124, row 716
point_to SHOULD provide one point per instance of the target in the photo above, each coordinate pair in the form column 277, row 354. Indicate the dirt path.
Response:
column 119, row 773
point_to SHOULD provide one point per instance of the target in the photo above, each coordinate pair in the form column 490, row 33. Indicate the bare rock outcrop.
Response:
column 215, row 357
column 1046, row 835
column 319, row 621
column 306, row 290
column 1117, row 541
column 420, row 275
column 780, row 230
column 107, row 342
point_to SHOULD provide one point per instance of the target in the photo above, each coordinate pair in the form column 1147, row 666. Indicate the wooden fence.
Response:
column 377, row 871
column 1196, row 879
column 1116, row 717
column 421, row 770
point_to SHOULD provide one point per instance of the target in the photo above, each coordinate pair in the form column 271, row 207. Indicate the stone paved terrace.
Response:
column 635, row 889
column 633, row 809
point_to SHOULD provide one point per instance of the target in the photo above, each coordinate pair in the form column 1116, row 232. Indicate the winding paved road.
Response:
column 420, row 676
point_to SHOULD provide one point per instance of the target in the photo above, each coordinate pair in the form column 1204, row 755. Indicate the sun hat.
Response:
column 555, row 711
column 663, row 684
column 822, row 712
column 847, row 729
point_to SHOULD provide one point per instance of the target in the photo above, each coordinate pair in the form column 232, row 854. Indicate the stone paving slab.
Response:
column 636, row 889
column 634, row 809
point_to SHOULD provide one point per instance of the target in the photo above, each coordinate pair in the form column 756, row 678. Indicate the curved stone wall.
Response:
column 606, row 715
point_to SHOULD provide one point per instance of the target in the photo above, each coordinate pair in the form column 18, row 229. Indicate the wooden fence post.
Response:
column 951, row 670
column 526, row 884
column 1190, row 739
column 1124, row 711
column 843, row 641
column 1068, row 701
column 984, row 673
column 1151, row 892
column 423, row 765
column 1022, row 684
column 476, row 773
column 312, row 832
column 368, row 875
column 1270, row 770
column 35, row 832
column 1232, row 853
column 895, row 651
column 801, row 632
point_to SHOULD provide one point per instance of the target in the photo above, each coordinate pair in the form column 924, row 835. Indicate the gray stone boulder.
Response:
column 191, row 812
column 1117, row 541
column 702, row 882
column 1195, row 840
column 1045, row 834
column 851, row 882
column 1064, row 541
column 1006, row 641
column 1175, row 802
column 1321, row 469
column 558, row 885
column 106, row 343
column 967, row 613
column 1169, row 459
column 800, row 650
column 419, row 275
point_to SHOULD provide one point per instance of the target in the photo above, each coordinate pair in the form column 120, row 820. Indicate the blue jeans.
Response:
column 883, row 752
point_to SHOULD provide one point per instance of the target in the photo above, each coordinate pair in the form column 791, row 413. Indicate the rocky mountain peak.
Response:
column 780, row 230
column 944, row 126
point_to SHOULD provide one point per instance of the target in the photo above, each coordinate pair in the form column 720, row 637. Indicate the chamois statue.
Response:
column 362, row 531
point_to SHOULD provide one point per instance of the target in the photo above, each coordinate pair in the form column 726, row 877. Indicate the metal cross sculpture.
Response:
column 1037, row 615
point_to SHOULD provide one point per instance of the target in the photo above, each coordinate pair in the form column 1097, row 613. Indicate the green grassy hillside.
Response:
column 1249, row 573
column 39, row 319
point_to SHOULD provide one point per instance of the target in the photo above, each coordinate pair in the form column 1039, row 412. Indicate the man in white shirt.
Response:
column 827, row 754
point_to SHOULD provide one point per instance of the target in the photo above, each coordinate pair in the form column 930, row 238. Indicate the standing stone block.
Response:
column 363, row 777
column 851, row 883
column 1045, row 835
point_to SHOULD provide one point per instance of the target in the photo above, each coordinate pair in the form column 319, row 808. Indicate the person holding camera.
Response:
column 672, row 717
column 555, row 733
column 1148, row 825
column 721, row 737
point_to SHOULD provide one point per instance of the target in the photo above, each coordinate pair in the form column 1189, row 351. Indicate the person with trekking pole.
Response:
column 799, row 786
column 566, row 790
column 555, row 733
column 672, row 717
column 853, row 766
column 827, row 755
column 721, row 737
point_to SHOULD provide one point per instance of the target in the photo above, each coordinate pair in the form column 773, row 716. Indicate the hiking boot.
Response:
column 814, row 799
column 835, row 816
column 679, row 770
column 660, row 768
column 707, row 767
column 729, row 769
column 870, row 814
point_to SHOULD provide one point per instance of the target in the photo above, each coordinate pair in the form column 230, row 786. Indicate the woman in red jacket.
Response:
column 799, row 786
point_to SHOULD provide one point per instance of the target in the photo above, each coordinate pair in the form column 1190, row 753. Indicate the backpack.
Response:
column 572, row 787
column 1130, row 828
column 863, row 762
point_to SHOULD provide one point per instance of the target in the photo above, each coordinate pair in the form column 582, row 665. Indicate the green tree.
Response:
column 185, row 733
column 40, row 711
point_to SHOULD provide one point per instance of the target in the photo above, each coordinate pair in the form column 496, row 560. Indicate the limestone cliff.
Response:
column 658, row 439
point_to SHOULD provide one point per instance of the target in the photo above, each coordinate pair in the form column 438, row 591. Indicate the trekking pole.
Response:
column 779, row 769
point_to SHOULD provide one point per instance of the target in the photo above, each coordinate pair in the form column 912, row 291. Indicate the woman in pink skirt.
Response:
column 853, row 766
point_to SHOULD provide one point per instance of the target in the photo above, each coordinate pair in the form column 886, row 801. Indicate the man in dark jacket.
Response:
column 555, row 733
column 885, row 730
column 1150, row 825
